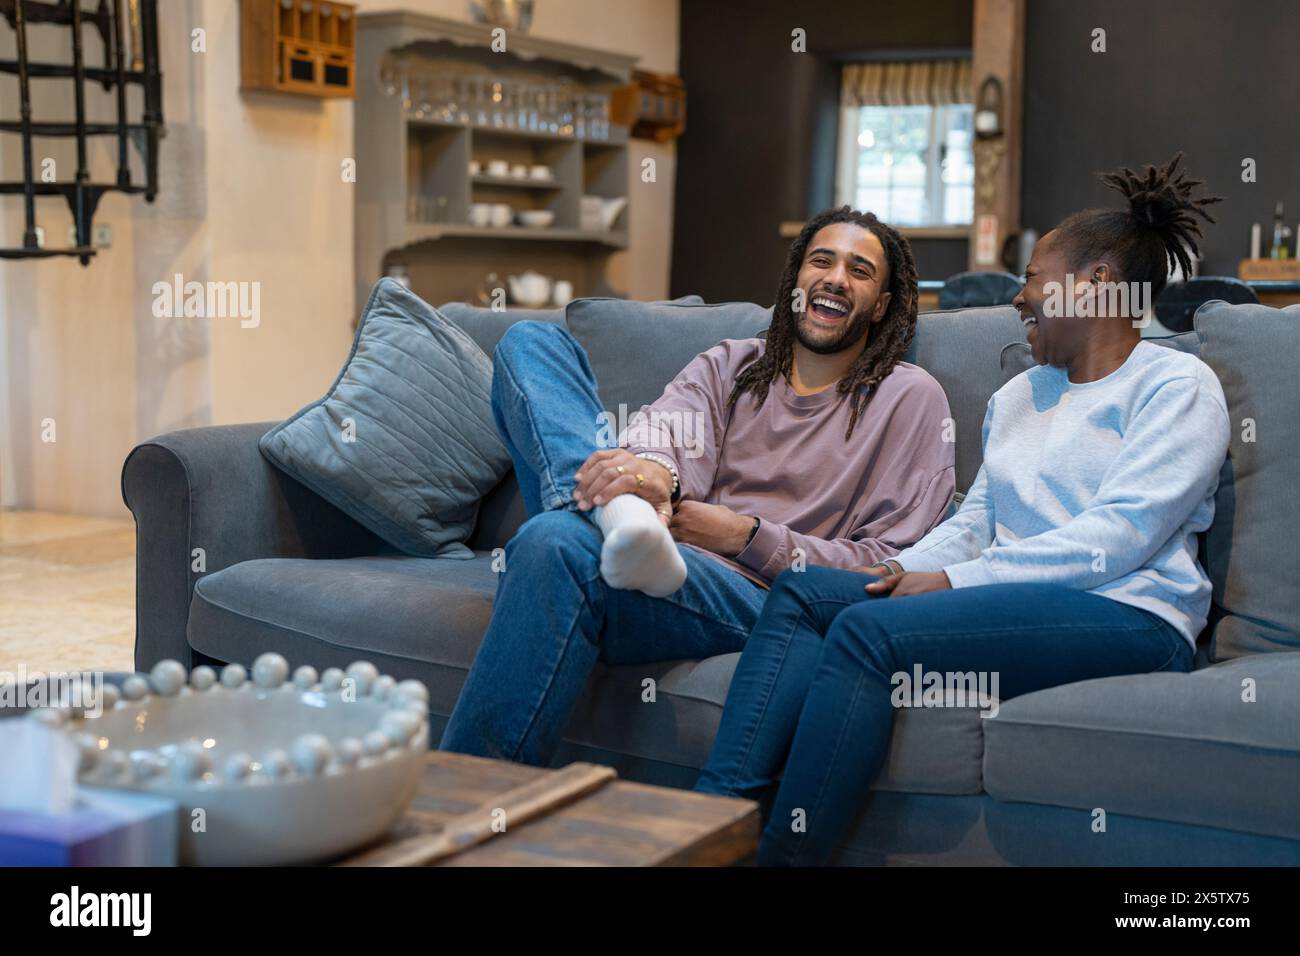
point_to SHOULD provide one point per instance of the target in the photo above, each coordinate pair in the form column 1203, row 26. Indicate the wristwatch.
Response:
column 667, row 463
column 753, row 531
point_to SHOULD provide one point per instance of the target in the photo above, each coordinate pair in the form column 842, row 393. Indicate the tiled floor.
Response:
column 67, row 593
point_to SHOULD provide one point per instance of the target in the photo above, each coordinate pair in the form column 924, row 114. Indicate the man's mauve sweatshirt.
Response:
column 829, row 501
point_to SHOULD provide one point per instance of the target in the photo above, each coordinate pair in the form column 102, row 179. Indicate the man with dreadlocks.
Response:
column 816, row 446
column 1072, row 557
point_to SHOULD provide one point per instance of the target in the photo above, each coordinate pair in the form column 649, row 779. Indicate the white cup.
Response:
column 498, row 167
column 502, row 214
column 539, row 172
column 480, row 214
column 563, row 292
column 475, row 167
column 519, row 171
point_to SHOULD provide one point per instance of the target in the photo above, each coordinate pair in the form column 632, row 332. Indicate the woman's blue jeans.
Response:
column 813, row 687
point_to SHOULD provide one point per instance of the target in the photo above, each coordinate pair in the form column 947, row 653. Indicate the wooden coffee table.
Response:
column 470, row 811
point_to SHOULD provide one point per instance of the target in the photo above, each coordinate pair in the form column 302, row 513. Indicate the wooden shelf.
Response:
column 429, row 231
column 618, row 137
column 401, row 27
column 421, row 165
column 510, row 182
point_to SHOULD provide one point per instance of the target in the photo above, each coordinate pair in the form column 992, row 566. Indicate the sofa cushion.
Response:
column 486, row 326
column 636, row 348
column 961, row 349
column 421, row 618
column 412, row 617
column 404, row 441
column 1251, row 548
column 1218, row 747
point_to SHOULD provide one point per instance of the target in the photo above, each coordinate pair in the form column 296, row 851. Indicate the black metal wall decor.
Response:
column 82, row 195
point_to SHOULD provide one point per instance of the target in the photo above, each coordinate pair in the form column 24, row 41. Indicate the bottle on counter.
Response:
column 1281, row 232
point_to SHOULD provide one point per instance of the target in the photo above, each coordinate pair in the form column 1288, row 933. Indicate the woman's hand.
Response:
column 909, row 582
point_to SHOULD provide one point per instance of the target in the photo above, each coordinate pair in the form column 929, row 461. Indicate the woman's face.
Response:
column 1055, row 336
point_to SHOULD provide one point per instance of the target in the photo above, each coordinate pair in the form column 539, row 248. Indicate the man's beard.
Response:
column 851, row 333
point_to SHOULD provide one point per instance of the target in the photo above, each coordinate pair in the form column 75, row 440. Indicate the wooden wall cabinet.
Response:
column 298, row 46
column 653, row 106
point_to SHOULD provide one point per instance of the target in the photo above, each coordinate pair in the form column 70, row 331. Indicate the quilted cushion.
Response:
column 404, row 441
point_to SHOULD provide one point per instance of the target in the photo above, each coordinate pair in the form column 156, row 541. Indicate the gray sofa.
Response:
column 1162, row 769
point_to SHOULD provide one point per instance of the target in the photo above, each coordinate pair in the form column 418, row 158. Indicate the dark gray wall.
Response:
column 1215, row 79
column 759, row 147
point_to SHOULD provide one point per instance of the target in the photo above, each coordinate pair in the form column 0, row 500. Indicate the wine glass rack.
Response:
column 119, row 69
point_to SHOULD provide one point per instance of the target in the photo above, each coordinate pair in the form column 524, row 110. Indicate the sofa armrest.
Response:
column 211, row 489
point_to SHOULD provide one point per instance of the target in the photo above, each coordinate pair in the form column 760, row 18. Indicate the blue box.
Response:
column 105, row 828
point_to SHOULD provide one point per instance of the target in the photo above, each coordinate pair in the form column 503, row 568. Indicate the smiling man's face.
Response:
column 844, row 279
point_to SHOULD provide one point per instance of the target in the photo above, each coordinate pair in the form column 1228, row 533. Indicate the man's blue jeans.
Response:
column 813, row 687
column 554, row 615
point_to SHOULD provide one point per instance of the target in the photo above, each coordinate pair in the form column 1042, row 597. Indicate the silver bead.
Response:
column 167, row 678
column 270, row 671
column 135, row 687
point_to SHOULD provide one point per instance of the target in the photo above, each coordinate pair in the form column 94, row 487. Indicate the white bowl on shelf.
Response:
column 536, row 218
column 480, row 215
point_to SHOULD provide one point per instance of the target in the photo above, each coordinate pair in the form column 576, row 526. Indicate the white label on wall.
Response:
column 986, row 239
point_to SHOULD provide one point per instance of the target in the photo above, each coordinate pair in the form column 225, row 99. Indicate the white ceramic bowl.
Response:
column 536, row 218
column 502, row 214
column 480, row 214
column 277, row 770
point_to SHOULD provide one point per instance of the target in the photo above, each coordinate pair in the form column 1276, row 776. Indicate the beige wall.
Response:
column 250, row 191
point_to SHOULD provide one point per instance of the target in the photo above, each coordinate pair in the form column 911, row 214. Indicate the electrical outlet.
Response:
column 102, row 237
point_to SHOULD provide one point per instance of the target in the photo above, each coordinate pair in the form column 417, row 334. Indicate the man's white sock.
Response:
column 639, row 554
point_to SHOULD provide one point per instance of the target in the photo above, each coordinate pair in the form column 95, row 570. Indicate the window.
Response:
column 910, row 165
column 905, row 149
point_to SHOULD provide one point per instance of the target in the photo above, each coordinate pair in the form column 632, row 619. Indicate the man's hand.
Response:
column 711, row 527
column 613, row 471
column 909, row 582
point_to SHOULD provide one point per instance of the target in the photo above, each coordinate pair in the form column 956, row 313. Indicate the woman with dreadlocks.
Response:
column 1072, row 557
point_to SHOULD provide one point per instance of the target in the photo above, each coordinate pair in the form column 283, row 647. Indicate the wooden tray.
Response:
column 1266, row 269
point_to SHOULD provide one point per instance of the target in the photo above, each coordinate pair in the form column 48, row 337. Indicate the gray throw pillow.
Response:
column 1251, row 547
column 404, row 440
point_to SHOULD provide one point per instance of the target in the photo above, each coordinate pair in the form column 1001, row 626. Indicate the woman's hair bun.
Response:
column 1160, row 197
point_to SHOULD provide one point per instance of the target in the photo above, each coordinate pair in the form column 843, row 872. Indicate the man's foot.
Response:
column 638, row 554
